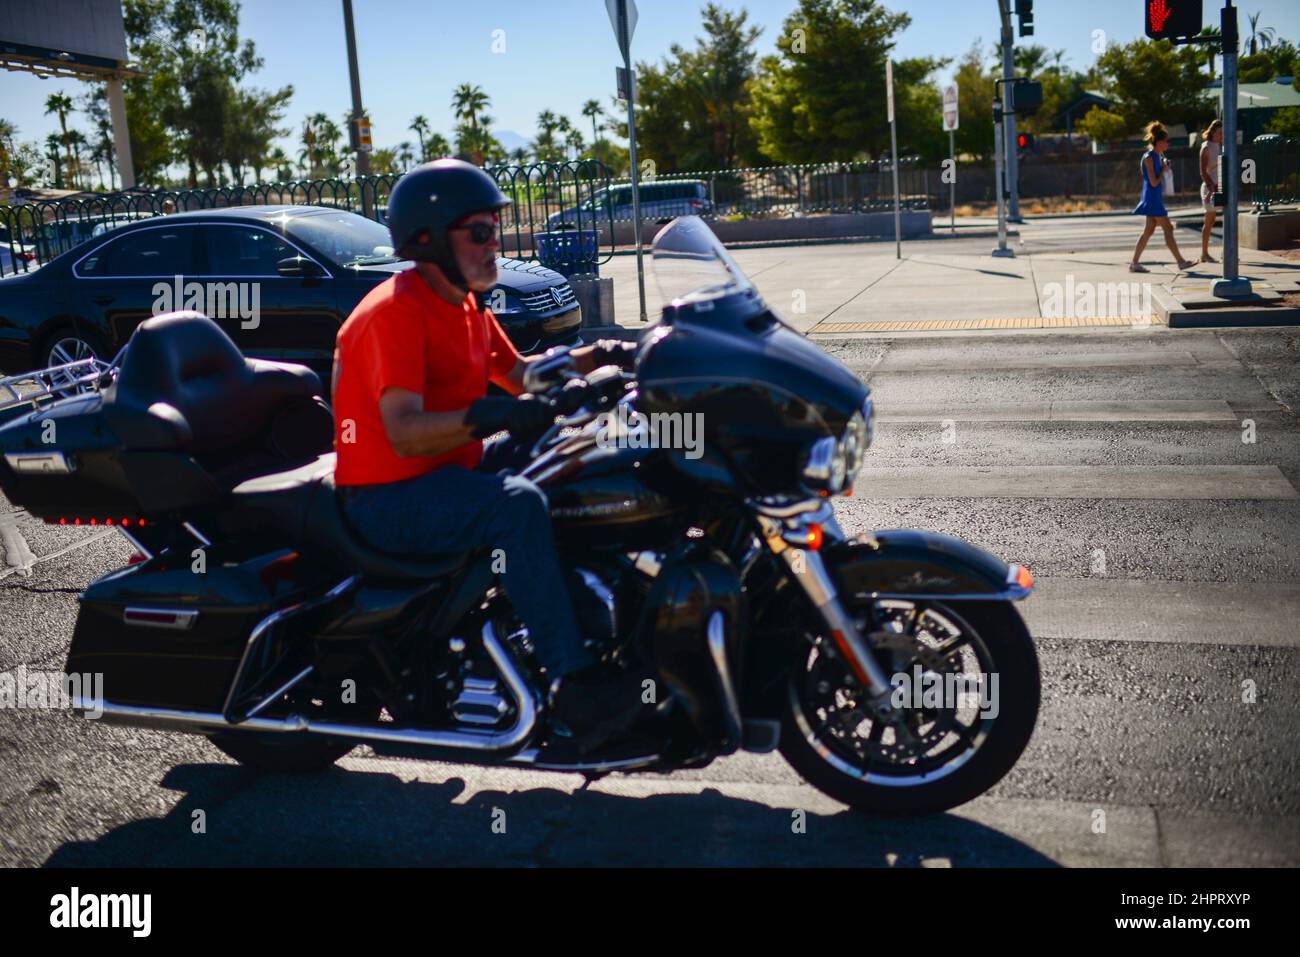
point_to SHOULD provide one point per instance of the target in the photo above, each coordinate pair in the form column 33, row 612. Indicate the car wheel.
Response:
column 70, row 345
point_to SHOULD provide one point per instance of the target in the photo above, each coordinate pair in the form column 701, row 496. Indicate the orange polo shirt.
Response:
column 404, row 335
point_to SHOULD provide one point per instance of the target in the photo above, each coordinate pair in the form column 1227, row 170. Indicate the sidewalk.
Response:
column 955, row 284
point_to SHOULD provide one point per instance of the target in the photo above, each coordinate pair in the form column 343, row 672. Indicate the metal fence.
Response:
column 33, row 233
column 561, row 214
column 1277, row 170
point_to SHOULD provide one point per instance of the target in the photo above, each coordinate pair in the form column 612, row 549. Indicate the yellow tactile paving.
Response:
column 1019, row 322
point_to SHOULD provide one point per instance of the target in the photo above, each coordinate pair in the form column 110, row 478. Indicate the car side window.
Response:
column 149, row 252
column 240, row 251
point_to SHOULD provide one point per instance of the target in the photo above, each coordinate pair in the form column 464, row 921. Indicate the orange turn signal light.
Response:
column 814, row 537
column 1023, row 578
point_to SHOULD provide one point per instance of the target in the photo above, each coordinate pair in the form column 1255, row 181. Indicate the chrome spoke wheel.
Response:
column 942, row 673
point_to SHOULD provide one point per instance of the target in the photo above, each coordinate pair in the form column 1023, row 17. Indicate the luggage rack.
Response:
column 56, row 382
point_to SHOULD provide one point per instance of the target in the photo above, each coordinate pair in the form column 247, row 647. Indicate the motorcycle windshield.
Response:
column 690, row 264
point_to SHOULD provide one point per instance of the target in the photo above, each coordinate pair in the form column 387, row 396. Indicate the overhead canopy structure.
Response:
column 82, row 39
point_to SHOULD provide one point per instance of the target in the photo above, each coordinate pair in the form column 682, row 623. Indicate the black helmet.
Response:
column 429, row 199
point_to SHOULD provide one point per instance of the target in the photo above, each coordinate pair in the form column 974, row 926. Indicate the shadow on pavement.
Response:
column 365, row 818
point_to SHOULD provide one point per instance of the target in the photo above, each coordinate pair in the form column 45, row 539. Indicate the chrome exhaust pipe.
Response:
column 198, row 722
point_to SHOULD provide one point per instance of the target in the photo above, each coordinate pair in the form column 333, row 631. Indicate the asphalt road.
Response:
column 1112, row 463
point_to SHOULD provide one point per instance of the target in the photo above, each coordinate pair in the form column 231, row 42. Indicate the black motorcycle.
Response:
column 692, row 501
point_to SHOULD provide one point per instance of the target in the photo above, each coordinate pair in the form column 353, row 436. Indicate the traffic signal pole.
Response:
column 1009, row 114
column 1232, row 284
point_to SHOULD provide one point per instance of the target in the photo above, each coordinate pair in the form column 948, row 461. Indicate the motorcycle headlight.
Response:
column 825, row 467
column 857, row 437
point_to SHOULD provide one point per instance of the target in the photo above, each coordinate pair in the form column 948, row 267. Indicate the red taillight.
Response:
column 26, row 257
column 814, row 537
column 136, row 558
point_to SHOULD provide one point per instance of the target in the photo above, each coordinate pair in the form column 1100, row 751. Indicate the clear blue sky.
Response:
column 559, row 53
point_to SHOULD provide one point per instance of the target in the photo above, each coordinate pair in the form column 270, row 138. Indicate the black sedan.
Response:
column 280, row 280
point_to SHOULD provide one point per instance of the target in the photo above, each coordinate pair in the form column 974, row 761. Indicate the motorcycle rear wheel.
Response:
column 827, row 761
column 291, row 752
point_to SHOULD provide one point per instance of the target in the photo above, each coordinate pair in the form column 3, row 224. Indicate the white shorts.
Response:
column 1207, row 198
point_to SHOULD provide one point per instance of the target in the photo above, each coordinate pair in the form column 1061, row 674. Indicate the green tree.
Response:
column 1286, row 121
column 8, row 147
column 436, row 147
column 60, row 104
column 821, row 97
column 253, row 125
column 1257, row 37
column 1276, row 60
column 420, row 127
column 467, row 103
column 694, row 107
column 1148, row 80
column 192, row 60
column 594, row 112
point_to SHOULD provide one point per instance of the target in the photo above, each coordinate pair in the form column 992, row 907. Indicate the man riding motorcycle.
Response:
column 411, row 370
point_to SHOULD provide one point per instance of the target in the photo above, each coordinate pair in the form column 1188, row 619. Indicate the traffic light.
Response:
column 1026, row 97
column 1025, row 11
column 1025, row 141
column 1167, row 19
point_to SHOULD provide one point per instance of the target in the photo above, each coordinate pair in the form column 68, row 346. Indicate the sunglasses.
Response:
column 479, row 233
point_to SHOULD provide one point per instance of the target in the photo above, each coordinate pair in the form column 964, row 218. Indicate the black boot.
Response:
column 597, row 703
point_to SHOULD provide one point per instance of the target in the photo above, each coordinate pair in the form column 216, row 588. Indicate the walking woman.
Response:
column 1210, row 149
column 1152, row 204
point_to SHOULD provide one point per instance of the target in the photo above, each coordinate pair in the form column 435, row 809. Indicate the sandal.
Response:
column 1137, row 267
column 1185, row 264
column 1207, row 258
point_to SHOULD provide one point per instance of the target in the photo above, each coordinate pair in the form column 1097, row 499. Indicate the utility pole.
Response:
column 893, row 156
column 1009, row 114
column 1232, row 284
column 623, row 17
column 360, row 144
column 999, row 185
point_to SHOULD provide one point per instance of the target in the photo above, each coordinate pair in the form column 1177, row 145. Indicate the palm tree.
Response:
column 52, row 144
column 519, row 156
column 467, row 102
column 592, row 109
column 405, row 155
column 436, row 147
column 421, row 127
column 544, row 146
column 76, row 140
column 279, row 162
column 1257, row 37
column 61, row 104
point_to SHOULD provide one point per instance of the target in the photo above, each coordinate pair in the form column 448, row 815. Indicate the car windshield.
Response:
column 690, row 264
column 346, row 238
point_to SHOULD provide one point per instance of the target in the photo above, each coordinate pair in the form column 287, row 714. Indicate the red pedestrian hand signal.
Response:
column 1159, row 14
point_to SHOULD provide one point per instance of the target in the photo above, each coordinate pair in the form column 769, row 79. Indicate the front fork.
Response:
column 795, row 533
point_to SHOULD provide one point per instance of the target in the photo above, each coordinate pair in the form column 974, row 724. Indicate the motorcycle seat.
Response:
column 303, row 503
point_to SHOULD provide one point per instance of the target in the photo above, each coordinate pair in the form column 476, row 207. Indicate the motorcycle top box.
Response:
column 187, row 418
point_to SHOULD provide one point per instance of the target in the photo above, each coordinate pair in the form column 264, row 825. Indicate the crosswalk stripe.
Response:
column 1077, row 481
column 912, row 362
column 1143, row 410
column 1209, row 613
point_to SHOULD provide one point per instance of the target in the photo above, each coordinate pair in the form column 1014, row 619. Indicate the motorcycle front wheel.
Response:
column 966, row 676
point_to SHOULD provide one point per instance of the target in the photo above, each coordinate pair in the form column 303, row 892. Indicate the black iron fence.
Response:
column 32, row 233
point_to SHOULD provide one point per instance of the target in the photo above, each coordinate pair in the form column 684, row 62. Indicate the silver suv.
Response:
column 660, row 202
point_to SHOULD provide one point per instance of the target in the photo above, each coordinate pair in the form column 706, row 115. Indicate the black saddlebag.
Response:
column 164, row 635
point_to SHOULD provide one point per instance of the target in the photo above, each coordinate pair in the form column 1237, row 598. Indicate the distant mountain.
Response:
column 510, row 140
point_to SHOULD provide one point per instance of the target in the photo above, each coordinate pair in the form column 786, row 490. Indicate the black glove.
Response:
column 614, row 352
column 519, row 417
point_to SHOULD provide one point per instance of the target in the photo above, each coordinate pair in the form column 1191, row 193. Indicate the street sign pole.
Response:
column 1232, row 284
column 363, row 156
column 620, row 11
column 999, row 184
column 952, row 199
column 951, row 119
column 893, row 149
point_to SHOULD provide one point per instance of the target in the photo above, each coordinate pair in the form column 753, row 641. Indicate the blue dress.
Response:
column 1153, row 199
